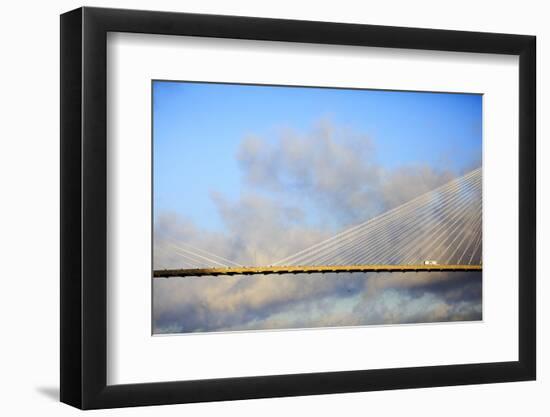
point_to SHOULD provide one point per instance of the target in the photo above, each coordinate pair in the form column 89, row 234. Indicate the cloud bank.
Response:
column 252, row 303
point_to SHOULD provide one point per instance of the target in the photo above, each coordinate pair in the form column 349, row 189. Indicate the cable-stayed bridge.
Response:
column 438, row 231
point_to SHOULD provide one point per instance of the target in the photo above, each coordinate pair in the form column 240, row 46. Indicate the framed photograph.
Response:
column 256, row 208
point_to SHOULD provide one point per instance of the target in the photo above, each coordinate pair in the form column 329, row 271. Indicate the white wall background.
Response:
column 29, row 226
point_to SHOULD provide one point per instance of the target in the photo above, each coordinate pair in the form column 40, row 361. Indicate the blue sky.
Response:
column 198, row 128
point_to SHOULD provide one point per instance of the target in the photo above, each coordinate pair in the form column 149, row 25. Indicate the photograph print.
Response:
column 299, row 207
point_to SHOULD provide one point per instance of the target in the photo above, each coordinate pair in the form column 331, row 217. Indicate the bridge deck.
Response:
column 265, row 270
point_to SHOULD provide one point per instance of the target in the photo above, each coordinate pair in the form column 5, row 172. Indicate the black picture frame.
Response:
column 84, row 207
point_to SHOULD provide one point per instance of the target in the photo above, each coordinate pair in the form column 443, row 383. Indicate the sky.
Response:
column 198, row 128
column 256, row 173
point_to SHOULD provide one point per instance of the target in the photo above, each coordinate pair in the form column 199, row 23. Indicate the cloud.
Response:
column 335, row 171
column 241, row 303
column 298, row 190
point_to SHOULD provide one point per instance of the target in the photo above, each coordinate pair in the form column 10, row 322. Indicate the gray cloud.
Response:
column 240, row 303
column 335, row 171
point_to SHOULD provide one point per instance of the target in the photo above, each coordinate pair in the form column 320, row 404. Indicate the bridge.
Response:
column 440, row 230
column 264, row 270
